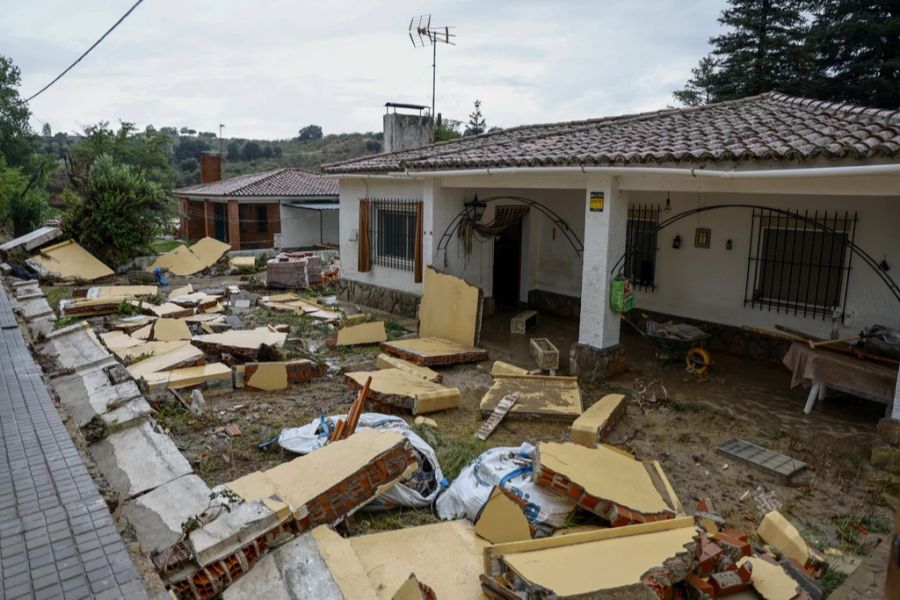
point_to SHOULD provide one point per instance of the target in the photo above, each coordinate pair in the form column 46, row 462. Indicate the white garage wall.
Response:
column 300, row 227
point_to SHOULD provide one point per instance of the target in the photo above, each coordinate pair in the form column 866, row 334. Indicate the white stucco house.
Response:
column 767, row 210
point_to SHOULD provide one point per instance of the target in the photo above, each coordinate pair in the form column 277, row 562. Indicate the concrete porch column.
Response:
column 208, row 218
column 234, row 225
column 598, row 354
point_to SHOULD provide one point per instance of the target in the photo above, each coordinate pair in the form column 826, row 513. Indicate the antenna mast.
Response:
column 421, row 34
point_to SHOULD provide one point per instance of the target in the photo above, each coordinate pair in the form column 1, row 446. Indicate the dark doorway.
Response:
column 508, row 266
column 221, row 222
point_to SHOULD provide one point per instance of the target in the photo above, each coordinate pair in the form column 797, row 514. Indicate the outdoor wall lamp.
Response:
column 729, row 244
column 676, row 242
column 668, row 207
column 477, row 207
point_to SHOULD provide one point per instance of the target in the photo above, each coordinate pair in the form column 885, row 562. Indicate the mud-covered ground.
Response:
column 840, row 503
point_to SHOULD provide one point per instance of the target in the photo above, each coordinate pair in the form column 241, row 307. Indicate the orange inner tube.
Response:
column 698, row 360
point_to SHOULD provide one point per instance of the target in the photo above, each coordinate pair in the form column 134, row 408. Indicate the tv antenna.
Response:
column 421, row 34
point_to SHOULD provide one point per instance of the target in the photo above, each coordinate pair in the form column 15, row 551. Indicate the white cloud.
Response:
column 266, row 68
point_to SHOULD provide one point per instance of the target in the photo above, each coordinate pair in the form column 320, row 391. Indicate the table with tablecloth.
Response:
column 842, row 372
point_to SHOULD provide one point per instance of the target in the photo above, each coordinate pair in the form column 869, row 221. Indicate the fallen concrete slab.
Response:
column 213, row 378
column 598, row 420
column 279, row 375
column 557, row 398
column 76, row 347
column 180, row 356
column 386, row 361
column 777, row 531
column 606, row 481
column 770, row 580
column 41, row 326
column 635, row 562
column 170, row 330
column 115, row 291
column 447, row 556
column 138, row 459
column 501, row 520
column 144, row 350
column 158, row 515
column 68, row 261
column 243, row 342
column 319, row 564
column 166, row 309
column 364, row 333
column 400, row 389
column 503, row 368
column 188, row 261
column 430, row 352
column 90, row 393
column 325, row 486
column 232, row 529
column 35, row 307
column 32, row 240
column 89, row 307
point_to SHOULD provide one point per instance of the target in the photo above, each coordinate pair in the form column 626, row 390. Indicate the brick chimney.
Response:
column 210, row 166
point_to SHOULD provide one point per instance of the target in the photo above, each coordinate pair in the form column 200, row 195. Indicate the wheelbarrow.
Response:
column 679, row 342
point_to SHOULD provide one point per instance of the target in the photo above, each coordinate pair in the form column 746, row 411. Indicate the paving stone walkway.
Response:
column 57, row 538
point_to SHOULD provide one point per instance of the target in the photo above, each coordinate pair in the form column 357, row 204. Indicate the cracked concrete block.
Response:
column 319, row 564
column 89, row 393
column 138, row 459
column 128, row 414
column 231, row 530
column 157, row 516
column 34, row 307
column 41, row 326
column 76, row 347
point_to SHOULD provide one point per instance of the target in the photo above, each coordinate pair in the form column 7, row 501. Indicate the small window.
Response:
column 393, row 234
column 262, row 219
column 800, row 263
column 640, row 246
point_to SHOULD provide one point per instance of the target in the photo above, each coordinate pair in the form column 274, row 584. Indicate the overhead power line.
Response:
column 86, row 52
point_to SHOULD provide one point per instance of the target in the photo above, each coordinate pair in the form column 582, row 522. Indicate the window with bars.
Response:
column 799, row 262
column 640, row 246
column 393, row 233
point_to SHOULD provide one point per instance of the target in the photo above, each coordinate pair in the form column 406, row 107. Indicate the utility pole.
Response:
column 221, row 127
column 421, row 33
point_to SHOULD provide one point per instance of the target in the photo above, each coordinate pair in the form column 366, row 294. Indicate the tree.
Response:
column 234, row 151
column 373, row 146
column 310, row 132
column 114, row 211
column 476, row 124
column 446, row 129
column 169, row 131
column 147, row 152
column 46, row 131
column 267, row 152
column 23, row 198
column 17, row 140
column 188, row 131
column 699, row 88
column 277, row 151
column 762, row 49
column 189, row 165
column 856, row 45
column 251, row 151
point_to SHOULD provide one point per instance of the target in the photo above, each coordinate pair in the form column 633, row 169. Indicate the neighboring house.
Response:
column 285, row 208
column 761, row 211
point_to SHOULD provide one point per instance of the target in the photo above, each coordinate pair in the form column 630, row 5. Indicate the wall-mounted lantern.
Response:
column 729, row 245
column 676, row 242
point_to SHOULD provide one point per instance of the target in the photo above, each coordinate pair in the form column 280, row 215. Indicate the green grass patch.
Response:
column 831, row 580
column 174, row 417
column 387, row 520
column 55, row 293
column 162, row 246
column 395, row 330
column 64, row 322
column 454, row 452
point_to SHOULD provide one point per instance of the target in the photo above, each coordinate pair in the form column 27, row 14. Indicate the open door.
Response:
column 508, row 266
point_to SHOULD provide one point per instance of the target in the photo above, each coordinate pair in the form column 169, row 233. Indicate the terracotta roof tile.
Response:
column 279, row 182
column 771, row 126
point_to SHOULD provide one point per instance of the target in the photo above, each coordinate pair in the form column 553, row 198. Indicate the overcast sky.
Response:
column 265, row 68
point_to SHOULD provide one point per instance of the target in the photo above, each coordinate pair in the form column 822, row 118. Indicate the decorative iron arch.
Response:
column 557, row 220
column 862, row 254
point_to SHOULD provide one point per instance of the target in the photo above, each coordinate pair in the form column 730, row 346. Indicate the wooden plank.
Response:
column 500, row 411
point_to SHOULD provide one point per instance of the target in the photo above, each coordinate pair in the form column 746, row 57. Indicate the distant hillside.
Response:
column 241, row 156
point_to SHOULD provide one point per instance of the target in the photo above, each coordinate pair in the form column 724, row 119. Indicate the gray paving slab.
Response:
column 51, row 513
column 76, row 347
column 157, row 516
column 90, row 393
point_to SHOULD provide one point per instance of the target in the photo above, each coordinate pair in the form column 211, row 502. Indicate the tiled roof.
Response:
column 770, row 126
column 280, row 182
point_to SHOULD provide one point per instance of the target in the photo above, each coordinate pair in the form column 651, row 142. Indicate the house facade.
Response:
column 284, row 208
column 770, row 210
